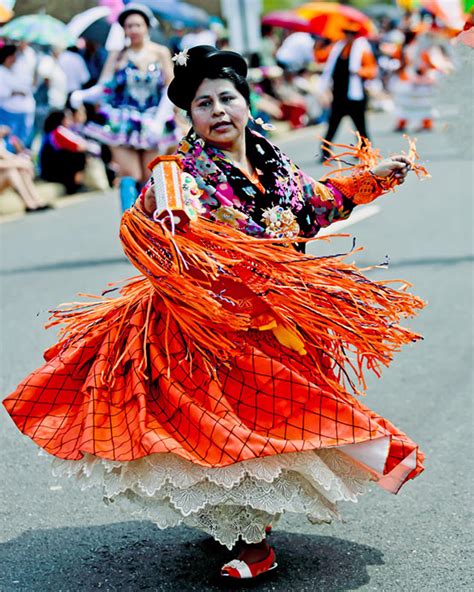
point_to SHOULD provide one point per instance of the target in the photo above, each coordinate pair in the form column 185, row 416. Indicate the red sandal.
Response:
column 241, row 570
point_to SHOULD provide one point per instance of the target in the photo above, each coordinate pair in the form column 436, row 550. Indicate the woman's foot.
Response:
column 426, row 126
column 253, row 561
column 42, row 208
column 401, row 126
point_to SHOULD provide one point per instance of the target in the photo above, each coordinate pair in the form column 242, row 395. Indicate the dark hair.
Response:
column 53, row 120
column 227, row 73
column 409, row 37
column 7, row 51
column 139, row 13
column 68, row 106
column 142, row 10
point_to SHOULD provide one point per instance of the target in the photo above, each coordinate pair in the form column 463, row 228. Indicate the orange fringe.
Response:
column 368, row 157
column 216, row 281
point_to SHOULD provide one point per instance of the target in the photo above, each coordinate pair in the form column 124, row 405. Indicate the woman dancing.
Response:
column 138, row 116
column 219, row 389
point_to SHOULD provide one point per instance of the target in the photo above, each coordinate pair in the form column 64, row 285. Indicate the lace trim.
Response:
column 229, row 502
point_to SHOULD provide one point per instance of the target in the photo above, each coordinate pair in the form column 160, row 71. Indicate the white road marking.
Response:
column 358, row 215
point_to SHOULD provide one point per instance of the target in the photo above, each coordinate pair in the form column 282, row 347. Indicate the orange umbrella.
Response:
column 330, row 19
column 5, row 14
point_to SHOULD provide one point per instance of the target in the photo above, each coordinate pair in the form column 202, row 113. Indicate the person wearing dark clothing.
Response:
column 63, row 153
column 95, row 58
column 350, row 63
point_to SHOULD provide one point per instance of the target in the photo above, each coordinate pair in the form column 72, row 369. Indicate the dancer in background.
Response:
column 350, row 63
column 215, row 390
column 138, row 116
column 423, row 63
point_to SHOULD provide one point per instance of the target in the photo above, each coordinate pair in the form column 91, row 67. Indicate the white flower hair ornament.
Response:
column 181, row 58
column 266, row 126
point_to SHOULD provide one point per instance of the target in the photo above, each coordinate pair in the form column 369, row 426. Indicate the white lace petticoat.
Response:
column 239, row 500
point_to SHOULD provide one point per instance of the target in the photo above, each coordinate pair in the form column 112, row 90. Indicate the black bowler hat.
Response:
column 193, row 65
column 352, row 27
column 141, row 9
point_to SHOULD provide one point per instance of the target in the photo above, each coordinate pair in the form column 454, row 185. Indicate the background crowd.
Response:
column 391, row 61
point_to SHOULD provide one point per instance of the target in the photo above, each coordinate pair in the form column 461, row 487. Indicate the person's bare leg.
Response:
column 4, row 182
column 128, row 162
column 146, row 157
column 27, row 194
column 30, row 187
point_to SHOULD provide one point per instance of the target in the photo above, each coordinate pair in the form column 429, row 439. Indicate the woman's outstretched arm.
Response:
column 334, row 198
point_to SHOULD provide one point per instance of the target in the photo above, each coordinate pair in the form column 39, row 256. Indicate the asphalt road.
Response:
column 54, row 537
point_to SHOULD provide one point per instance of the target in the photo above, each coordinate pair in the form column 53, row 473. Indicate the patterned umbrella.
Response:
column 96, row 24
column 286, row 19
column 172, row 10
column 87, row 19
column 38, row 28
column 329, row 19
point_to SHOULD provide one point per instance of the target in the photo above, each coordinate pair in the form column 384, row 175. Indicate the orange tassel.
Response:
column 368, row 157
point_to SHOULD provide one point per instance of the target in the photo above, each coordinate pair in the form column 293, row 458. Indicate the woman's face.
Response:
column 9, row 61
column 67, row 119
column 135, row 28
column 219, row 113
column 80, row 115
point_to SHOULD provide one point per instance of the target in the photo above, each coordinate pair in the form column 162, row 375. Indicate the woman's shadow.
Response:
column 131, row 556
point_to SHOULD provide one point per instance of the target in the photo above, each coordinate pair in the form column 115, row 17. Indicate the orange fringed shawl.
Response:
column 215, row 281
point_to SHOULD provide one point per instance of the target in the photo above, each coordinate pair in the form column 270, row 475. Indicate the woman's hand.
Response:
column 149, row 200
column 396, row 166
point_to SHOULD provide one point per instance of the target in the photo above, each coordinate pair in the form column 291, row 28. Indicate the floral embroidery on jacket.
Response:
column 281, row 223
column 304, row 205
column 231, row 216
column 191, row 195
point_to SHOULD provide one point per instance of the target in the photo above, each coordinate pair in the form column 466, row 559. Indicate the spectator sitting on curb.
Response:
column 17, row 172
column 100, row 170
column 291, row 100
column 63, row 152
